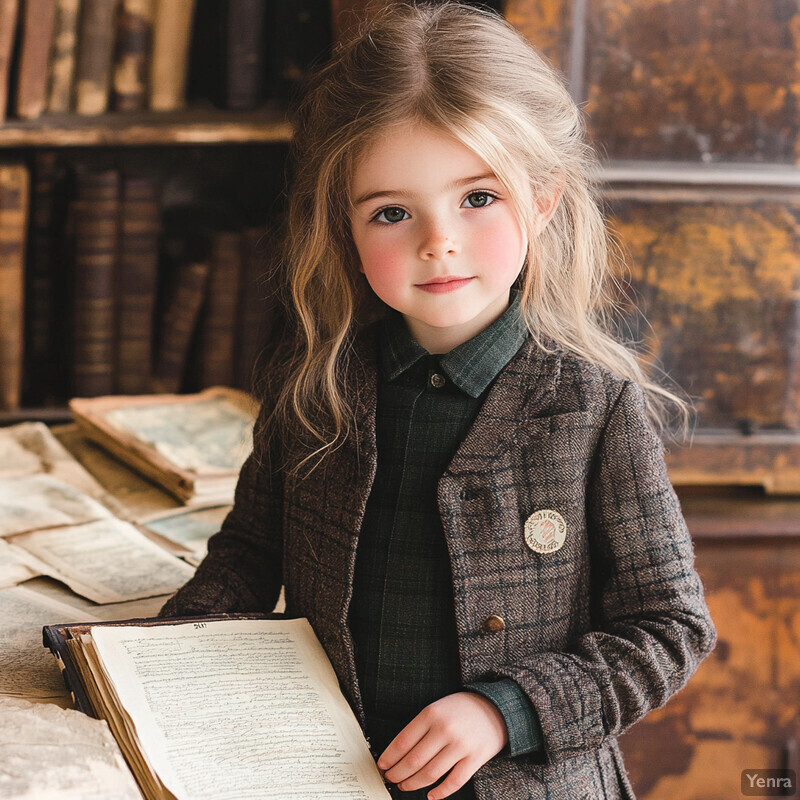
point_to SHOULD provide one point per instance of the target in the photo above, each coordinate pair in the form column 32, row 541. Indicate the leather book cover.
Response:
column 140, row 228
column 9, row 10
column 96, row 34
column 216, row 354
column 244, row 47
column 40, row 288
column 132, row 61
column 169, row 64
column 62, row 56
column 255, row 305
column 297, row 33
column 96, row 223
column 178, row 325
column 14, row 196
column 34, row 57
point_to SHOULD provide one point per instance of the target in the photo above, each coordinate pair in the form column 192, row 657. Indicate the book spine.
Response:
column 39, row 338
column 180, row 319
column 36, row 37
column 96, row 32
column 138, row 273
column 134, row 43
column 172, row 33
column 62, row 56
column 255, row 306
column 14, row 195
column 96, row 221
column 244, row 48
column 9, row 10
column 217, row 341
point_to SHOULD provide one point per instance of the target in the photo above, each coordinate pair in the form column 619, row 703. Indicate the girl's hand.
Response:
column 458, row 733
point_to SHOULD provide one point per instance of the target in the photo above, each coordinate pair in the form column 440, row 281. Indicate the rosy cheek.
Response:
column 383, row 267
column 502, row 246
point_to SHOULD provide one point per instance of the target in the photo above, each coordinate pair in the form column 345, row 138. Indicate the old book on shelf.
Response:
column 217, row 345
column 247, row 703
column 96, row 226
column 169, row 63
column 191, row 445
column 132, row 60
column 256, row 305
column 62, row 56
column 243, row 50
column 40, row 289
column 14, row 195
column 96, row 35
column 177, row 326
column 34, row 57
column 140, row 227
column 9, row 10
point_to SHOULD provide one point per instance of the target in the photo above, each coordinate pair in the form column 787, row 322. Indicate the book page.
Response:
column 31, row 447
column 107, row 561
column 17, row 565
column 137, row 498
column 40, row 501
column 27, row 669
column 50, row 752
column 239, row 710
column 207, row 437
column 192, row 529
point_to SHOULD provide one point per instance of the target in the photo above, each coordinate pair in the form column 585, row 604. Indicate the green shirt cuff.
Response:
column 522, row 721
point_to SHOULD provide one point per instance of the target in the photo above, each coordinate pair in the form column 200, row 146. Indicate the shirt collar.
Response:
column 471, row 366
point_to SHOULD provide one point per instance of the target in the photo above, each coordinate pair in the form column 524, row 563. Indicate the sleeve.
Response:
column 243, row 569
column 522, row 723
column 652, row 626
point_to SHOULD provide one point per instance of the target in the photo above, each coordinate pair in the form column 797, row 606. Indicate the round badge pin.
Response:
column 545, row 531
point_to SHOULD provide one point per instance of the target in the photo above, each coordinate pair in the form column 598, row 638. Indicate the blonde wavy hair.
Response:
column 468, row 73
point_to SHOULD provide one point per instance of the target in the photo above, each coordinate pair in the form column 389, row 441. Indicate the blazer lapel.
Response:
column 525, row 389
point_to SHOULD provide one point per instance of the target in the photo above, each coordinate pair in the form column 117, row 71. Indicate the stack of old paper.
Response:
column 183, row 530
column 191, row 445
column 57, row 522
column 48, row 752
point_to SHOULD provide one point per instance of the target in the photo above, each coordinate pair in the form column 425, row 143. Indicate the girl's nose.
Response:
column 438, row 242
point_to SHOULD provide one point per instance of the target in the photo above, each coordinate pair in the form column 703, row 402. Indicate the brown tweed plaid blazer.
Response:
column 597, row 633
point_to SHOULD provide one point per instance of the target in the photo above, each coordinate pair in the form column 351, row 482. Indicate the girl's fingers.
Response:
column 458, row 776
column 416, row 759
column 402, row 744
column 431, row 770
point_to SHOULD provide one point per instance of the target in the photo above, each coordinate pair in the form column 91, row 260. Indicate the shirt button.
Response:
column 437, row 380
column 493, row 624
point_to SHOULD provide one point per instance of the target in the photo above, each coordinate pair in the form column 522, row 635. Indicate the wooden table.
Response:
column 741, row 710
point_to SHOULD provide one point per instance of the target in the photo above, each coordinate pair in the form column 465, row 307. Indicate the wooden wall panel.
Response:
column 740, row 709
column 718, row 279
column 695, row 80
column 547, row 24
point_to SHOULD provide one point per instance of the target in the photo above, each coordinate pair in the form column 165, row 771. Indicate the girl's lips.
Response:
column 443, row 285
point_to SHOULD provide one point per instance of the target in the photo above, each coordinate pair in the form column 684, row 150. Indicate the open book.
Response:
column 220, row 707
column 192, row 445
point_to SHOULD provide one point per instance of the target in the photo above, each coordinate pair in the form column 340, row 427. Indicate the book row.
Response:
column 88, row 57
column 114, row 293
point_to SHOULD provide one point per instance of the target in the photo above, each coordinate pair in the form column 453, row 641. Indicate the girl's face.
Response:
column 436, row 234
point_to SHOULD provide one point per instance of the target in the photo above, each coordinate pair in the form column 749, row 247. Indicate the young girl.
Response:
column 454, row 475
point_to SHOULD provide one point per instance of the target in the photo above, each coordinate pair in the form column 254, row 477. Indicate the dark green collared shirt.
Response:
column 402, row 614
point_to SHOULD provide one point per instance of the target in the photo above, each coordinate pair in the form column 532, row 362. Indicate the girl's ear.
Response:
column 547, row 203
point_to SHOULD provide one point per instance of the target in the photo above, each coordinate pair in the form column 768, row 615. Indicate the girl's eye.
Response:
column 478, row 200
column 391, row 215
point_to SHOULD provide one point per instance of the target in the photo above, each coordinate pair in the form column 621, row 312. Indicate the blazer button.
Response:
column 493, row 624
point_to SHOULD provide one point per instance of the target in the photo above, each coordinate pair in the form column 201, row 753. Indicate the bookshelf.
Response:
column 217, row 143
column 206, row 126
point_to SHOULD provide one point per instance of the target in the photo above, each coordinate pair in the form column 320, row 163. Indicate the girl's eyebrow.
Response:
column 365, row 198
